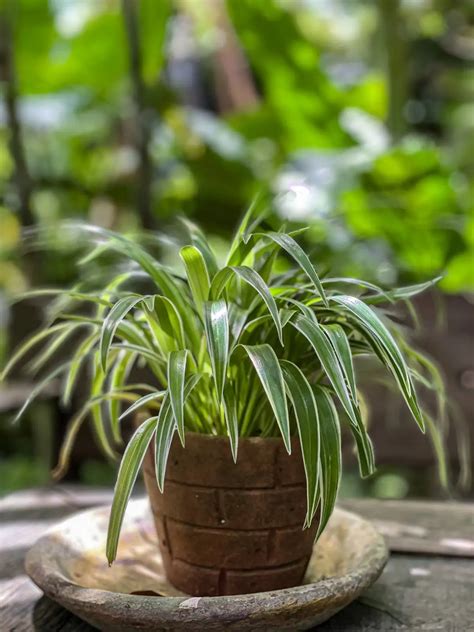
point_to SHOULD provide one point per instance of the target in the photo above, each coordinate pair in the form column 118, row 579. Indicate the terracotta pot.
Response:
column 228, row 528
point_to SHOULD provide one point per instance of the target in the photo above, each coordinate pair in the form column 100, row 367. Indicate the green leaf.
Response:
column 232, row 423
column 176, row 373
column 83, row 352
column 385, row 347
column 306, row 413
column 365, row 451
column 329, row 360
column 165, row 431
column 143, row 401
column 40, row 360
column 216, row 323
column 340, row 343
column 157, row 272
column 254, row 280
column 163, row 438
column 303, row 308
column 200, row 242
column 98, row 422
column 118, row 312
column 118, row 377
column 249, row 220
column 331, row 461
column 127, row 475
column 269, row 372
column 237, row 320
column 39, row 388
column 288, row 244
column 170, row 323
column 29, row 344
column 358, row 283
column 76, row 422
column 197, row 274
column 402, row 293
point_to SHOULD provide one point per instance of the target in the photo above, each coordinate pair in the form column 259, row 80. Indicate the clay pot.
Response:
column 228, row 528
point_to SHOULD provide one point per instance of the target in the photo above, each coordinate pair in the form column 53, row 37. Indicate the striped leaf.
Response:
column 127, row 475
column 402, row 293
column 365, row 451
column 287, row 243
column 385, row 347
column 116, row 315
column 30, row 344
column 82, row 353
column 329, row 361
column 118, row 377
column 268, row 369
column 165, row 431
column 232, row 423
column 252, row 278
column 197, row 274
column 98, row 423
column 216, row 323
column 143, row 401
column 200, row 242
column 331, row 461
column 39, row 388
column 176, row 374
column 306, row 413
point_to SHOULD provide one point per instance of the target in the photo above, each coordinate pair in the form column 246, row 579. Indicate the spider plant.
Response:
column 259, row 346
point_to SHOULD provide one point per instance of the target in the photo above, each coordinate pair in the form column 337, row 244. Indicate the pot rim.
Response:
column 205, row 436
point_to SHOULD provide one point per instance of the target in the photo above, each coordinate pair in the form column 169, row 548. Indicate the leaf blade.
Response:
column 265, row 363
column 287, row 243
column 331, row 459
column 307, row 418
column 232, row 424
column 216, row 322
column 177, row 361
column 197, row 273
column 252, row 278
column 118, row 312
column 165, row 431
column 385, row 346
column 329, row 361
column 127, row 475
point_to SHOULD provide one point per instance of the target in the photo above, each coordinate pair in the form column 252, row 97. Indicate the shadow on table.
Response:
column 49, row 616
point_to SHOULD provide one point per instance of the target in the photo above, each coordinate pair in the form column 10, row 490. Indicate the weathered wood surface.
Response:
column 417, row 591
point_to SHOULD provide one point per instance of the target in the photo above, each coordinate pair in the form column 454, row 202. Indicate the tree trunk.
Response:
column 142, row 127
column 22, row 178
column 392, row 28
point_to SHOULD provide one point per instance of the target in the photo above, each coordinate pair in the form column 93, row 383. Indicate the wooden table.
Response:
column 428, row 584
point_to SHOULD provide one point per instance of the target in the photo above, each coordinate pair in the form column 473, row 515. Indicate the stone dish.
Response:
column 68, row 563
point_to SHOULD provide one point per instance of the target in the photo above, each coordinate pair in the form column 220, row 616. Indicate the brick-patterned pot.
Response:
column 228, row 528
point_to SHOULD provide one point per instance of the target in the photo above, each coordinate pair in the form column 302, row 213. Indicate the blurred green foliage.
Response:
column 361, row 125
column 321, row 72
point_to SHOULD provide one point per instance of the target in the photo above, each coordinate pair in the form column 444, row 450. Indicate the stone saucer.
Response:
column 68, row 563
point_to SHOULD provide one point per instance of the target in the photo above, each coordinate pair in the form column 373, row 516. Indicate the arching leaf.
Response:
column 268, row 369
column 127, row 475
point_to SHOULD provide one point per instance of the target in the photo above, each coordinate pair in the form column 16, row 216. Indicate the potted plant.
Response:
column 252, row 376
